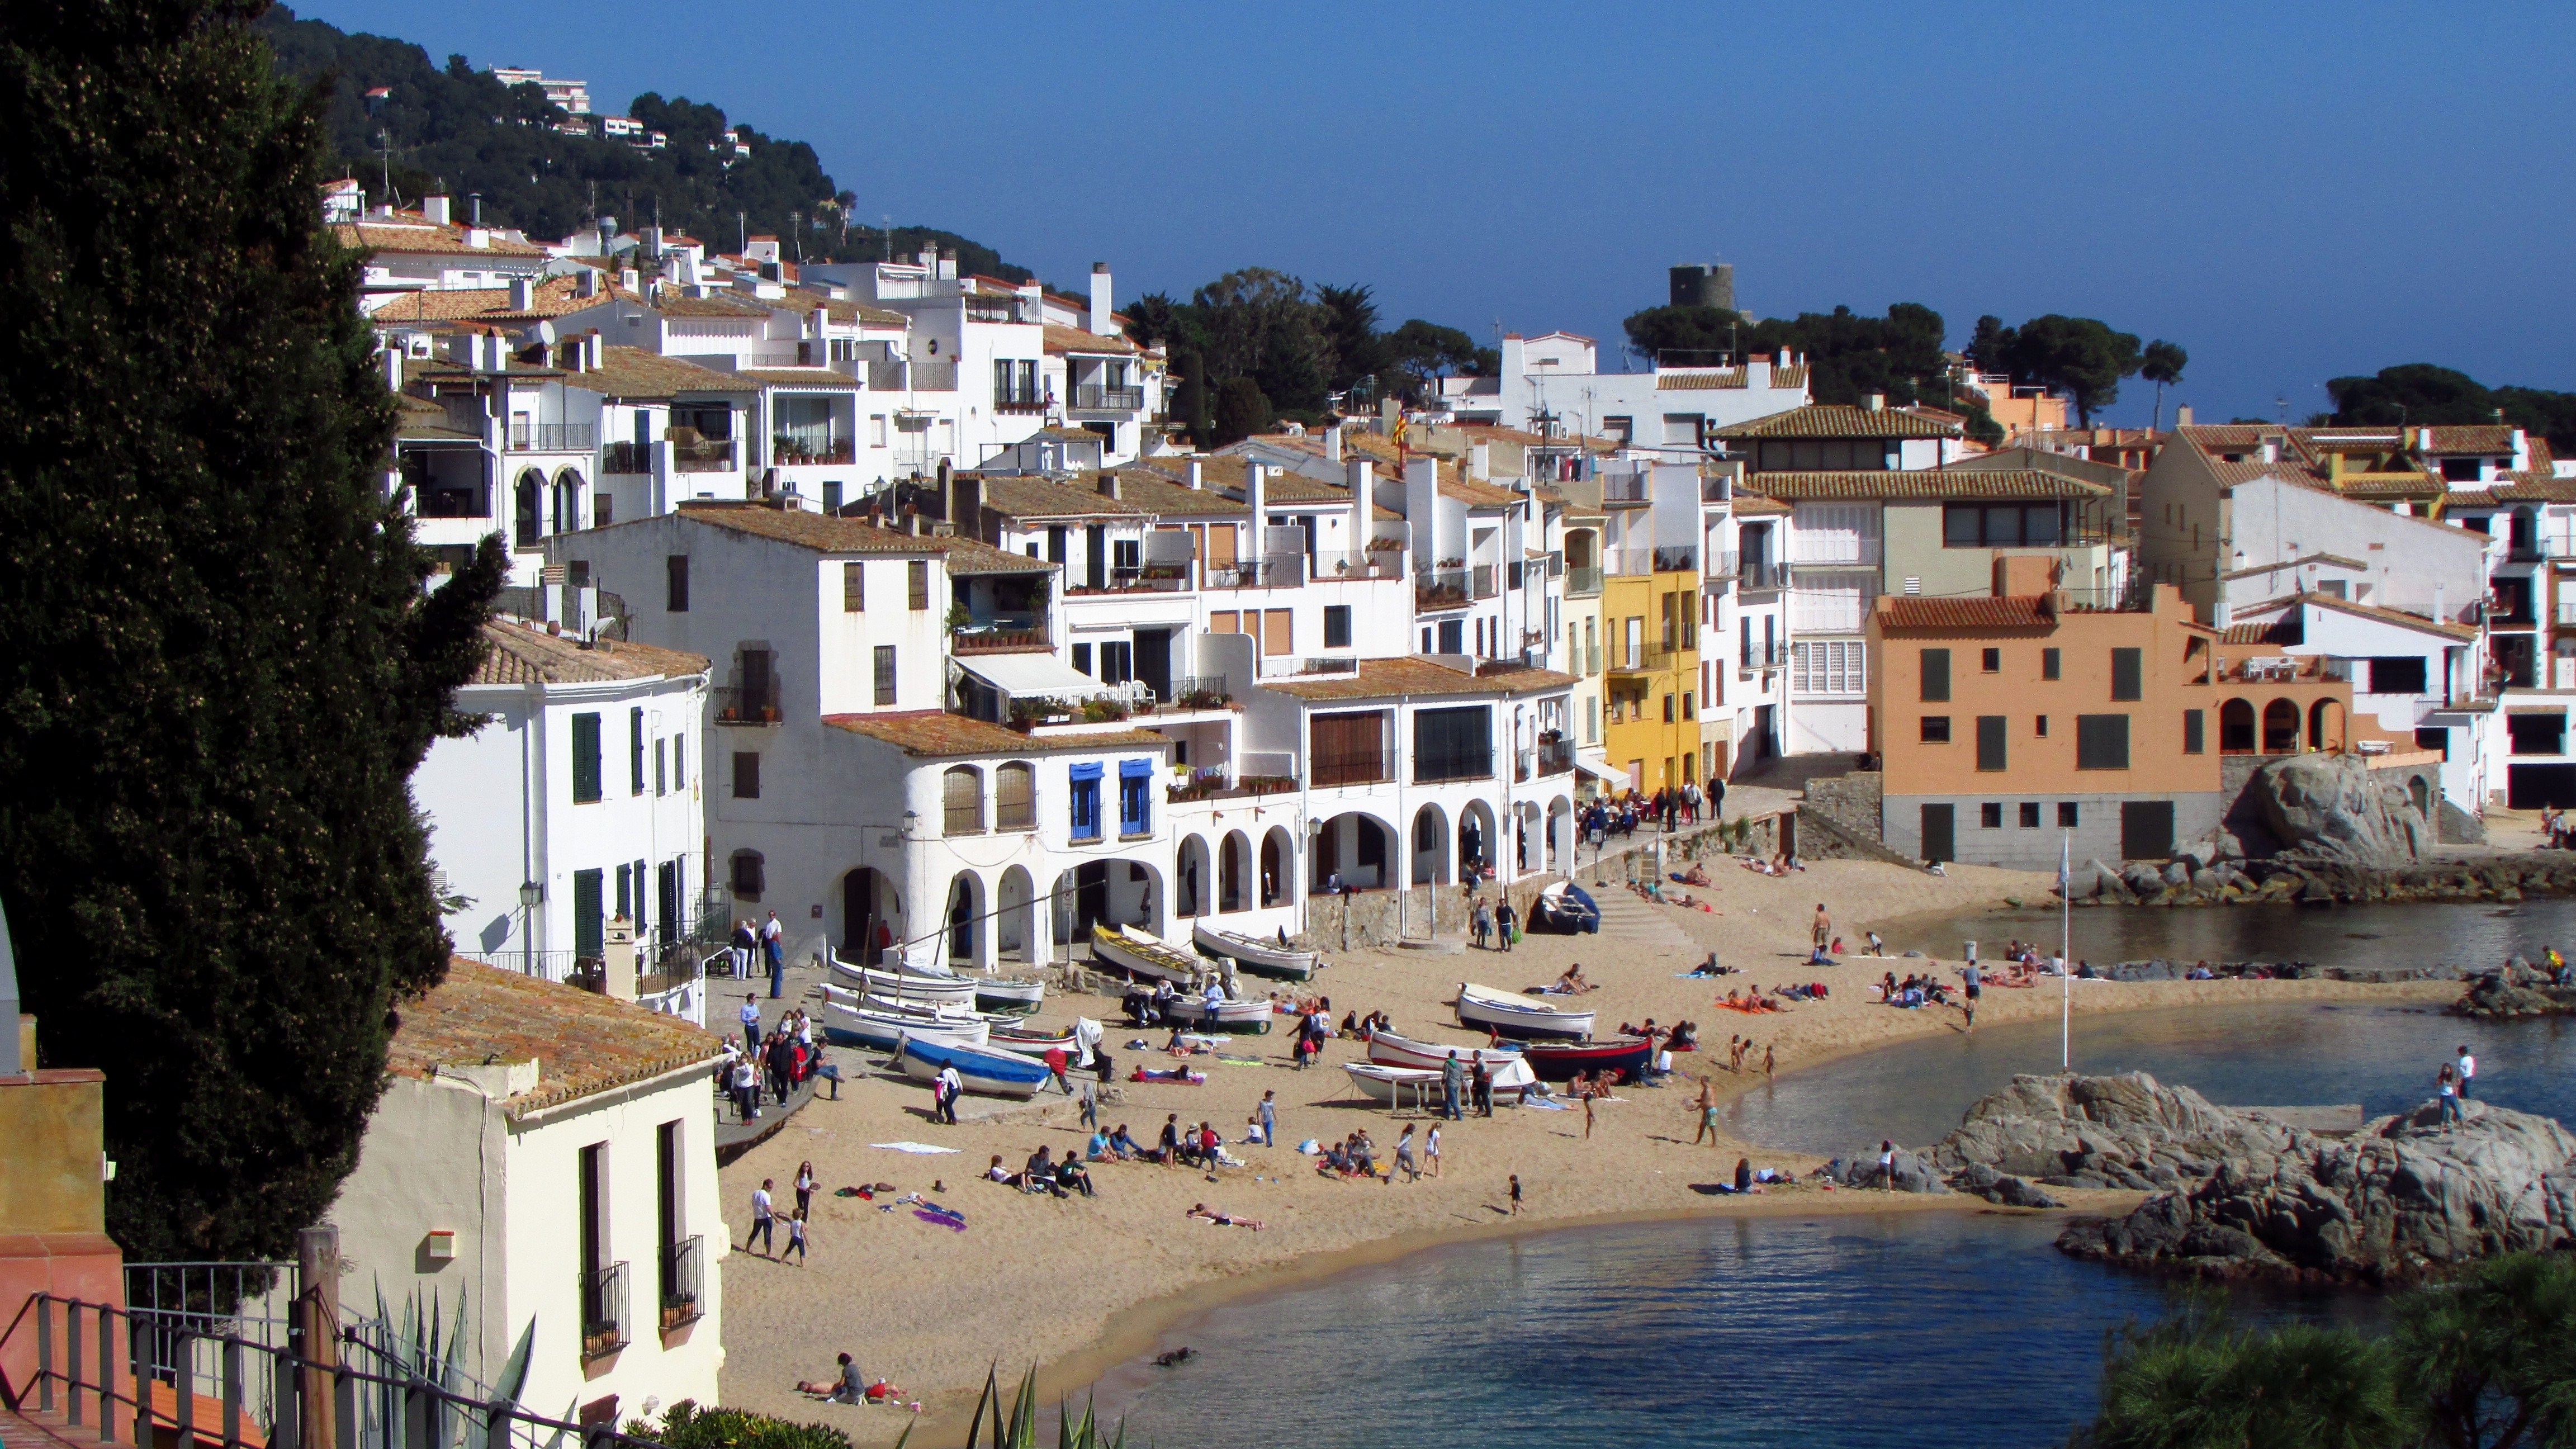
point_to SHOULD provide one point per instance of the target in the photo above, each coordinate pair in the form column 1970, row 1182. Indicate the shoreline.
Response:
column 1082, row 1288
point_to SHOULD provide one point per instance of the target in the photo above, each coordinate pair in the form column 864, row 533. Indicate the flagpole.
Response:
column 2065, row 955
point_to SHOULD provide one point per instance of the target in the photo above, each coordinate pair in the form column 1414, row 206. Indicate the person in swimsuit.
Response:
column 1200, row 1210
column 1707, row 1113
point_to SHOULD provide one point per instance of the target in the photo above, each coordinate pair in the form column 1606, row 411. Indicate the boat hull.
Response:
column 1504, row 1066
column 1505, row 1017
column 1238, row 1016
column 986, row 1073
column 852, row 1026
column 1033, row 1046
column 910, row 990
column 1260, row 958
column 1019, row 996
column 1561, row 1062
column 1144, row 962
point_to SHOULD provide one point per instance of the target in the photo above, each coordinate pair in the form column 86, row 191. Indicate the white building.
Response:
column 427, row 250
column 1553, row 383
column 594, row 747
column 542, row 1168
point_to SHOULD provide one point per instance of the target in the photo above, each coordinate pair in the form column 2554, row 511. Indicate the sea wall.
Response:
column 2489, row 878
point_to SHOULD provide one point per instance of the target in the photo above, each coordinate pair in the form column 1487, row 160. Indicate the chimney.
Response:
column 1193, row 478
column 1873, row 402
column 1333, row 443
column 928, row 257
column 1780, row 359
column 948, row 264
column 1101, row 298
column 592, row 350
column 1255, row 502
column 523, row 294
column 474, row 208
column 1361, row 476
column 392, row 360
column 630, row 279
column 1109, row 485
column 1480, row 460
column 437, row 209
column 585, row 283
column 2182, row 415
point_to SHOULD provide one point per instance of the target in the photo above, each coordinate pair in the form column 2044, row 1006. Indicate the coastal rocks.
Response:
column 2000, row 1188
column 1911, row 1173
column 2405, row 1196
column 2329, row 807
column 2125, row 1131
column 2497, row 996
column 2456, row 826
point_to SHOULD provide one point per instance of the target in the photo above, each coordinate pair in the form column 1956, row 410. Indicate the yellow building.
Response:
column 1650, row 673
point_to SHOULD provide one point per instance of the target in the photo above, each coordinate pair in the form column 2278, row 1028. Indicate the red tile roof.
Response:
column 938, row 735
column 1838, row 420
column 1387, row 678
column 1898, row 611
column 582, row 1042
column 522, row 653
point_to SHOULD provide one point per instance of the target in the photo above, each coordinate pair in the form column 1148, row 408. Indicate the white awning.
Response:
column 1598, row 766
column 1029, row 675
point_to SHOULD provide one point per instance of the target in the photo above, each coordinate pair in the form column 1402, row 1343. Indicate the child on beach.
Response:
column 795, row 1238
column 1707, row 1113
column 1516, row 1195
column 1431, row 1147
column 1404, row 1157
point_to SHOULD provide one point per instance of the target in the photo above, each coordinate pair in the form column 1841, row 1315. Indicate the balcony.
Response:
column 1194, row 692
column 1655, row 660
column 1677, row 560
column 792, row 452
column 1439, row 589
column 1019, row 402
column 603, row 1311
column 1382, row 563
column 1625, row 490
column 1835, row 551
column 702, row 455
column 549, row 437
column 626, row 458
column 748, row 704
column 1555, row 757
column 681, row 1299
column 1273, row 571
column 1353, row 767
column 1633, row 563
column 1461, row 764
column 1582, row 583
column 1092, row 397
column 1760, row 656
column 1001, row 634
column 1134, row 579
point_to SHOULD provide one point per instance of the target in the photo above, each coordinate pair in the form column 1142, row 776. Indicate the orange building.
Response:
column 2008, row 722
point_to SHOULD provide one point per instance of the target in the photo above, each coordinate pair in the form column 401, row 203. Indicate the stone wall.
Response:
column 1853, row 799
column 1372, row 915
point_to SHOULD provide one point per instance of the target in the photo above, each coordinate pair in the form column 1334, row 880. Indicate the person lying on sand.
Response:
column 1697, row 875
column 1200, row 1211
column 850, row 1388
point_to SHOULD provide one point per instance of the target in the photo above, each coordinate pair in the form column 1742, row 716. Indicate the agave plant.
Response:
column 1017, row 1427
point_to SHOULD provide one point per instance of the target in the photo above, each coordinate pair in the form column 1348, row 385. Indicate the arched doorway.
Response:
column 567, row 502
column 1354, row 848
column 527, row 510
column 964, row 918
column 868, row 901
column 1479, row 845
column 1015, row 924
column 1276, row 853
column 2422, row 795
column 2236, row 727
column 1189, row 896
column 1234, row 857
column 1430, row 847
column 2325, row 725
column 2281, row 728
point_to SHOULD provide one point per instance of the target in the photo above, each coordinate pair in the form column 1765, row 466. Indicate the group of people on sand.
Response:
column 1043, row 1172
column 1739, row 1051
column 767, row 1067
column 764, row 1217
column 852, row 1387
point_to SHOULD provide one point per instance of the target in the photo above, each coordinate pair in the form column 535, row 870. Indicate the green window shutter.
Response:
column 585, row 758
column 635, row 750
column 2127, row 674
column 589, row 929
column 2195, row 737
column 2101, row 742
column 1990, row 741
column 1936, row 675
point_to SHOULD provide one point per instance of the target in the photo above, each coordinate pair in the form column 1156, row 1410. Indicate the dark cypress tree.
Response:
column 221, row 668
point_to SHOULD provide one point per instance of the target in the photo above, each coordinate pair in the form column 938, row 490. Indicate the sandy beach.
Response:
column 1075, row 1286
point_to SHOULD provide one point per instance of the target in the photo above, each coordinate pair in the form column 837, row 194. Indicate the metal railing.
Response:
column 550, row 437
column 705, row 455
column 1466, row 764
column 604, row 1327
column 1000, row 633
column 544, row 965
column 1625, row 490
column 788, row 453
column 1759, row 656
column 1632, row 563
column 1582, row 582
column 1271, row 571
column 1440, row 589
column 752, row 704
column 1193, row 691
column 1348, row 767
column 1093, row 397
column 1829, row 550
column 626, row 458
column 681, row 1271
column 1555, row 757
column 1677, row 560
column 1333, row 566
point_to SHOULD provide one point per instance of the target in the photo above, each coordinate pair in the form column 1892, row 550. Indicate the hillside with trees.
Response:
column 459, row 130
column 2419, row 393
column 1849, row 355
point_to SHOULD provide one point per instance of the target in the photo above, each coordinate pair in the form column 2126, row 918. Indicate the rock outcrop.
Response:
column 2125, row 1131
column 2330, row 807
column 2499, row 995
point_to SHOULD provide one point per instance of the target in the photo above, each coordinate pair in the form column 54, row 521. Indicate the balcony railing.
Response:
column 1001, row 633
column 626, row 458
column 1383, row 563
column 1677, row 560
column 1466, row 764
column 1634, row 563
column 1019, row 402
column 1625, row 490
column 1481, row 579
column 1194, row 691
column 704, row 455
column 1759, row 656
column 1582, row 583
column 1273, row 571
column 681, row 1272
column 1139, row 579
column 1440, row 589
column 789, row 453
column 550, row 437
column 889, row 376
column 1555, row 757
column 1349, row 767
column 755, row 704
column 1761, row 573
column 1095, row 398
column 603, row 1311
column 1653, row 659
column 1831, row 550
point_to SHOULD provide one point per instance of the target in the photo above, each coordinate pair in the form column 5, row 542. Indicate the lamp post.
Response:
column 530, row 893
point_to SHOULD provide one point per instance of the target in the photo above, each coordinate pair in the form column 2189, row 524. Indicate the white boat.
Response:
column 1006, row 993
column 1395, row 1086
column 1518, row 1016
column 942, row 1013
column 896, row 986
column 1252, row 1016
column 1261, row 958
column 986, row 1073
column 858, row 1026
column 1143, row 957
column 1504, row 1066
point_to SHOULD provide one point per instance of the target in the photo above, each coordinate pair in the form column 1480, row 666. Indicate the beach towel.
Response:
column 923, row 1148
column 1552, row 1106
column 1176, row 1074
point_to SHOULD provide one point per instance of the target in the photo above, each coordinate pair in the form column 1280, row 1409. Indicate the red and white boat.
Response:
column 1626, row 1056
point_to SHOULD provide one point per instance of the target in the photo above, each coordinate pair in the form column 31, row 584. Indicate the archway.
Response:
column 1560, row 835
column 1353, row 848
column 1480, row 845
column 2236, row 727
column 967, row 937
column 1189, row 890
column 2325, row 725
column 1234, row 862
column 567, row 501
column 1526, row 835
column 2422, row 795
column 868, row 901
column 1430, row 856
column 1015, row 927
column 527, row 510
column 2281, row 728
column 1276, row 853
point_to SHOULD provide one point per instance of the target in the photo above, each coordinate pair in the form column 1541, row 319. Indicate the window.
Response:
column 1337, row 626
column 2435, row 739
column 661, row 768
column 1936, row 729
column 1936, row 675
column 854, row 588
column 2195, row 732
column 2101, row 742
column 1829, row 666
column 677, row 567
column 2002, row 525
column 1991, row 661
column 885, row 674
column 1117, row 661
column 1668, row 709
column 585, row 758
column 635, row 750
column 746, row 774
column 1275, row 631
column 1135, row 797
column 2127, row 674
column 2069, row 815
column 1686, row 704
column 1015, row 383
column 1084, row 797
column 2042, row 731
column 1453, row 744
column 1990, row 742
column 2403, row 675
column 2537, row 734
column 749, row 876
column 2030, row 815
column 1015, row 797
column 679, row 762
column 2048, row 664
column 917, row 578
column 1991, row 815
column 961, row 797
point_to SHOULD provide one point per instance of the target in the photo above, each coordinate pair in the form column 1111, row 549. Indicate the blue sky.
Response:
column 2291, row 191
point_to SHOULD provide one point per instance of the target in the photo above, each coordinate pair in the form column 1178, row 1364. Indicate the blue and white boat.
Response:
column 987, row 1073
column 1566, row 910
column 857, row 1026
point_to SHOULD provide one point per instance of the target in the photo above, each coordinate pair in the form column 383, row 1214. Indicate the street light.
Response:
column 530, row 893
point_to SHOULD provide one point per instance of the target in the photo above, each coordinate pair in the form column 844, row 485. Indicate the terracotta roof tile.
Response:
column 1023, row 496
column 2392, row 616
column 410, row 232
column 939, row 735
column 1923, row 483
column 634, row 372
column 582, row 1042
column 521, row 653
column 807, row 377
column 1899, row 611
column 1387, row 678
column 1061, row 340
column 824, row 533
column 2477, row 438
column 1836, row 420
column 672, row 302
column 2278, row 632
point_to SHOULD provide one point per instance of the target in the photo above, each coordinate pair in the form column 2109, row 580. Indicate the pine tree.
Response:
column 221, row 666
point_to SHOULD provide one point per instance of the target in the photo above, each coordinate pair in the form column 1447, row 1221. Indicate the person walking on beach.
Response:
column 1481, row 924
column 1504, row 920
column 2447, row 1083
column 1431, row 1149
column 1516, row 1195
column 1269, row 1119
column 2468, row 1066
column 1585, row 1091
column 1768, row 1060
column 804, row 1187
column 750, row 1017
column 1450, row 1077
column 1707, row 1113
column 763, row 1220
column 952, row 1085
column 1480, row 1085
column 1404, row 1157
column 795, row 1238
column 1822, row 934
column 1090, row 1107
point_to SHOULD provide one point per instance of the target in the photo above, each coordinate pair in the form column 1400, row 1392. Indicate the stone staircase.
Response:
column 1628, row 923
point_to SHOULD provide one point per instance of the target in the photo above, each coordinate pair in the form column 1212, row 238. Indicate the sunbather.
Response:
column 1200, row 1211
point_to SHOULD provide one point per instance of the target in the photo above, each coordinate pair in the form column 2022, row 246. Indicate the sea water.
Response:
column 1931, row 1329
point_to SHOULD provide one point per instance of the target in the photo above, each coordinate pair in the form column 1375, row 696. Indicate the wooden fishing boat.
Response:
column 1504, row 1066
column 1261, row 958
column 986, row 1073
column 1248, row 1016
column 1008, row 993
column 1523, row 1017
column 1395, row 1086
column 897, row 986
column 1029, row 1042
column 1143, row 957
column 1626, row 1056
column 882, row 1031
